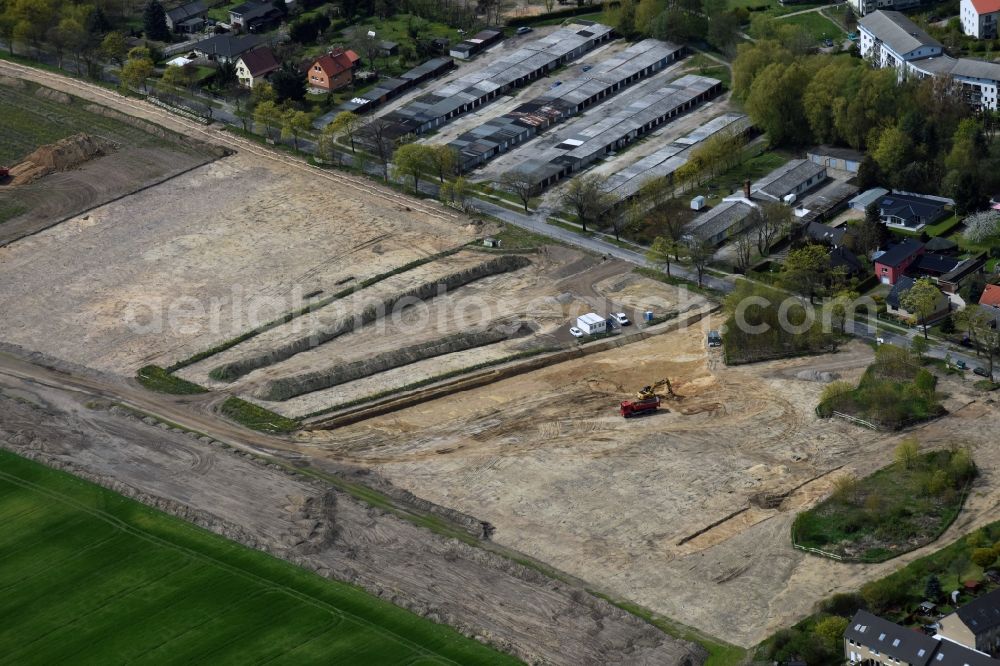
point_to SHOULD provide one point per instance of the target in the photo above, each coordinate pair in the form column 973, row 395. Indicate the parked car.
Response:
column 587, row 68
column 557, row 84
column 982, row 372
column 961, row 365
column 827, row 42
column 524, row 30
column 575, row 332
column 620, row 318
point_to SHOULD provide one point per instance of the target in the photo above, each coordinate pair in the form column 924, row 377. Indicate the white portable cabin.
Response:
column 592, row 323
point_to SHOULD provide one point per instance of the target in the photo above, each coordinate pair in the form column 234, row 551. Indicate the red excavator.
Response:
column 647, row 400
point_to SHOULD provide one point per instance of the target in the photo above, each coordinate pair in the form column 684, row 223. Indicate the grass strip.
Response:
column 256, row 417
column 158, row 379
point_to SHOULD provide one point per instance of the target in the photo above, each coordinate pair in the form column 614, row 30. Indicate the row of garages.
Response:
column 467, row 93
column 565, row 99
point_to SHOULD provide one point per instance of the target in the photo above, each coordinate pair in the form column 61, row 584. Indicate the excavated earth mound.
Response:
column 62, row 155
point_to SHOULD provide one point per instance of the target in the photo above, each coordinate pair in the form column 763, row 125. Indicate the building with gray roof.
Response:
column 514, row 70
column 498, row 135
column 585, row 140
column 792, row 179
column 731, row 216
column 870, row 639
column 890, row 39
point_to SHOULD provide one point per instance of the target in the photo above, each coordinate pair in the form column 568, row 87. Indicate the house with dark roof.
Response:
column 187, row 18
column 254, row 16
column 818, row 232
column 891, row 265
column 845, row 261
column 333, row 70
column 873, row 641
column 226, row 48
column 255, row 66
column 933, row 265
column 976, row 624
column 912, row 211
column 894, row 301
column 966, row 269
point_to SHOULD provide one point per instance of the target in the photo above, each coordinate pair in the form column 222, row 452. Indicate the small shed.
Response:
column 491, row 242
column 972, row 585
column 387, row 48
column 927, row 607
column 698, row 202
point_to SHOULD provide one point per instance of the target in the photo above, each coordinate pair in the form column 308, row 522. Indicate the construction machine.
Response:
column 647, row 400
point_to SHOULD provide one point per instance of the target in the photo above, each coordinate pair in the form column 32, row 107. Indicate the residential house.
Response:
column 990, row 296
column 226, row 48
column 976, row 624
column 254, row 16
column 333, row 70
column 890, row 39
column 187, row 18
column 873, row 641
column 979, row 18
column 789, row 181
column 844, row 261
column 867, row 198
column 933, row 265
column 255, row 66
column 731, row 216
column 892, row 264
column 817, row 232
column 966, row 269
column 913, row 212
column 894, row 305
column 841, row 159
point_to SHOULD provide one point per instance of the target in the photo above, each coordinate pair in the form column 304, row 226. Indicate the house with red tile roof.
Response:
column 979, row 18
column 333, row 70
column 991, row 296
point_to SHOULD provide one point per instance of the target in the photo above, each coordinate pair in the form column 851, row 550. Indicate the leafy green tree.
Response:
column 136, row 72
column 893, row 150
column 288, row 84
column 805, row 269
column 919, row 346
column 752, row 59
column 826, row 95
column 907, row 453
column 114, row 48
column 699, row 252
column 294, row 124
column 519, row 184
column 346, row 123
column 922, row 300
column 267, row 114
column 830, row 631
column 415, row 161
column 445, row 161
column 662, row 250
column 154, row 22
column 983, row 557
column 775, row 103
column 586, row 197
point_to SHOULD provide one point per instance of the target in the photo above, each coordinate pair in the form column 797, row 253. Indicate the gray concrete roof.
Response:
column 897, row 31
column 786, row 178
column 724, row 216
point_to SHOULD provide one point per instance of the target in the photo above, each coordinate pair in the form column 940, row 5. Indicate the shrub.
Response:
column 881, row 595
column 844, row 604
column 983, row 557
column 908, row 452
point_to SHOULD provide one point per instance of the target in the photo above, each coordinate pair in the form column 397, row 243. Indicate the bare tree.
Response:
column 586, row 197
column 772, row 220
column 744, row 244
column 519, row 184
column 700, row 253
column 375, row 133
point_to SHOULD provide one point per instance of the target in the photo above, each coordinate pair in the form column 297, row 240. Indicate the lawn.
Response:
column 256, row 417
column 30, row 121
column 755, row 165
column 901, row 507
column 157, row 379
column 92, row 577
column 817, row 25
column 705, row 66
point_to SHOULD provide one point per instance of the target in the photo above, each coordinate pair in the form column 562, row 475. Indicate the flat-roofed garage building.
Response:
column 585, row 141
column 475, row 89
column 498, row 135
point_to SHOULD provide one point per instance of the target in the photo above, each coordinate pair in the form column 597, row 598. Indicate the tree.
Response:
column 907, row 453
column 262, row 92
column 347, row 123
column 294, row 124
column 445, row 159
column 519, row 184
column 893, row 150
column 922, row 300
column 415, row 161
column 883, row 594
column 376, row 133
column 982, row 227
column 771, row 221
column 367, row 45
column 744, row 244
column 870, row 233
column 661, row 251
column 113, row 48
column 752, row 59
column 831, row 631
column 932, row 589
column 326, row 147
column 985, row 337
column 700, row 253
column 154, row 22
column 805, row 269
column 983, row 557
column 136, row 71
column 775, row 103
column 288, row 83
column 723, row 30
column 586, row 197
column 919, row 347
column 869, row 175
column 267, row 114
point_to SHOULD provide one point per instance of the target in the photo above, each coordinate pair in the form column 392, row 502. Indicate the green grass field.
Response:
column 817, row 25
column 89, row 576
column 30, row 121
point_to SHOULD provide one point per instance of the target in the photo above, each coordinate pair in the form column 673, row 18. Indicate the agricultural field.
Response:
column 35, row 116
column 90, row 575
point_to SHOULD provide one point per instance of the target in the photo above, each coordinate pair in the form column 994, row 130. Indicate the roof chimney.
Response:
column 746, row 188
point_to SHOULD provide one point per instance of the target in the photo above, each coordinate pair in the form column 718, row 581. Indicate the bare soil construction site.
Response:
column 685, row 512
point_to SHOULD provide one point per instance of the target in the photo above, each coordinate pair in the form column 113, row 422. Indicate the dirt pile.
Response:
column 286, row 388
column 232, row 371
column 53, row 95
column 62, row 155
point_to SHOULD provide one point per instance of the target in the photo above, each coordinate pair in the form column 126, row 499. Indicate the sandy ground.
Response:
column 178, row 268
column 483, row 594
column 546, row 459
